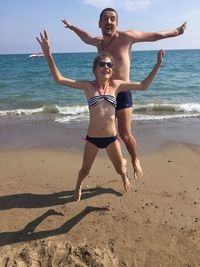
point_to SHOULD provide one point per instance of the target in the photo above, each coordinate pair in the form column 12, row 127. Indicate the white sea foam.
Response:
column 80, row 117
column 15, row 112
column 189, row 107
column 73, row 110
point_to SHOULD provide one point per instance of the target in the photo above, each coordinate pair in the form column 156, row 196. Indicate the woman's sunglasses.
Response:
column 103, row 64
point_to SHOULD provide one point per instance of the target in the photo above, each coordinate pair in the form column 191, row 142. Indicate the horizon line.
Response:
column 87, row 52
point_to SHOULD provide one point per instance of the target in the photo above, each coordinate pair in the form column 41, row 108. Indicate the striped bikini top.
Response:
column 108, row 98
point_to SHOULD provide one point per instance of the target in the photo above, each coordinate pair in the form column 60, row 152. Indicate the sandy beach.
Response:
column 157, row 223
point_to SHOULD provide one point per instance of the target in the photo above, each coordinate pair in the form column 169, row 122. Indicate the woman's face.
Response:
column 104, row 68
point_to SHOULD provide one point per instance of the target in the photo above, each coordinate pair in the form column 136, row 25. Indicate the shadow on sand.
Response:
column 27, row 233
column 28, row 200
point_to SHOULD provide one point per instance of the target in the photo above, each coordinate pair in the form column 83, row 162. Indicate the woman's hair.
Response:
column 101, row 57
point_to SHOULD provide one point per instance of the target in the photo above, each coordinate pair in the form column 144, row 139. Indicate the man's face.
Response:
column 108, row 23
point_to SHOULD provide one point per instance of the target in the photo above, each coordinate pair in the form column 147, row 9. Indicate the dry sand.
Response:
column 157, row 223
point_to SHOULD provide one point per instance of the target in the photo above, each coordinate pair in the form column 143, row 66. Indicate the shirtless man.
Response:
column 119, row 44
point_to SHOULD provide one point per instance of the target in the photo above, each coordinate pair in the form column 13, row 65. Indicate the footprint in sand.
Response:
column 59, row 251
column 165, row 194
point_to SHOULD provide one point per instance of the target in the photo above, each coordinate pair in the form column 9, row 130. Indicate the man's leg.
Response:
column 124, row 127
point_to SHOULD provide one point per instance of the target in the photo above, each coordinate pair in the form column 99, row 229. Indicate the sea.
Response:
column 28, row 93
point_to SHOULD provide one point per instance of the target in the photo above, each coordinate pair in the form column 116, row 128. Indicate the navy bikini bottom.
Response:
column 101, row 142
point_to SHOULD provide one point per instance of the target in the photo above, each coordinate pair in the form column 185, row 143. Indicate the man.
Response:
column 119, row 44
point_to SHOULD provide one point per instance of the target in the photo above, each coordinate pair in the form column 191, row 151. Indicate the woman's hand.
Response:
column 44, row 43
column 161, row 55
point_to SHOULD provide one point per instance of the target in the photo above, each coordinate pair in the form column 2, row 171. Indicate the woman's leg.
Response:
column 115, row 155
column 89, row 155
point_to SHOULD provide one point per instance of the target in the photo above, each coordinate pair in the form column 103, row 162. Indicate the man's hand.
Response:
column 180, row 30
column 44, row 43
column 161, row 55
column 67, row 23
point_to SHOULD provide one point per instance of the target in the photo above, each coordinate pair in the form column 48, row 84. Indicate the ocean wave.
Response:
column 142, row 117
column 167, row 107
column 52, row 109
column 80, row 117
column 149, row 111
column 73, row 110
column 17, row 112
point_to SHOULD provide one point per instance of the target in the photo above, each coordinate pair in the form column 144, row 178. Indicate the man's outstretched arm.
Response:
column 83, row 35
column 138, row 36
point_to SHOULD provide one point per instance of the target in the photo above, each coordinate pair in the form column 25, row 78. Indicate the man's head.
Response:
column 108, row 21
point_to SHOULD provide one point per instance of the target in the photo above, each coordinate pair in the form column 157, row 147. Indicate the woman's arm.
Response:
column 124, row 86
column 45, row 45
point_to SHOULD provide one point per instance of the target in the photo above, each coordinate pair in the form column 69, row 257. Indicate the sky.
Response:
column 22, row 20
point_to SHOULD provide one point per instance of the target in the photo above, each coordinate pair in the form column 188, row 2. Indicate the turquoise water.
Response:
column 27, row 88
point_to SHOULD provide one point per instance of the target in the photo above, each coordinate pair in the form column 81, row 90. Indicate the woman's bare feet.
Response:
column 137, row 169
column 77, row 193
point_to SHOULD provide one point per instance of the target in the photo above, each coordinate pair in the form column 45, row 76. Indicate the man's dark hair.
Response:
column 108, row 9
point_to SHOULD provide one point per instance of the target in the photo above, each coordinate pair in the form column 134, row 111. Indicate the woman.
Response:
column 101, row 96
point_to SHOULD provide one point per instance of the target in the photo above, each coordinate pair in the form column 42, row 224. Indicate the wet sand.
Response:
column 44, row 132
